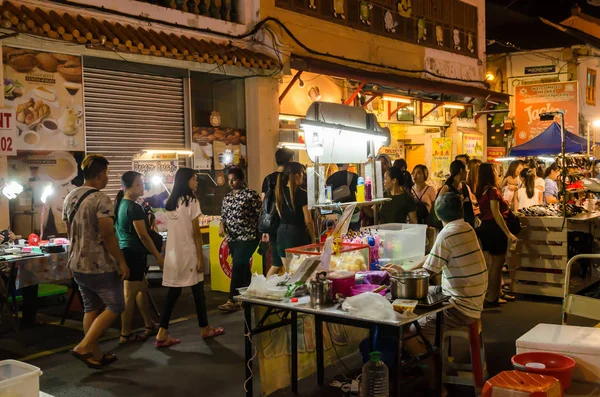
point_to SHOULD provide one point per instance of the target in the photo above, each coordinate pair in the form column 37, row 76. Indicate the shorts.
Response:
column 98, row 290
column 493, row 239
column 137, row 264
column 453, row 318
column 290, row 236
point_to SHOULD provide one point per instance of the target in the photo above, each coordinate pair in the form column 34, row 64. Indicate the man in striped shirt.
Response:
column 457, row 255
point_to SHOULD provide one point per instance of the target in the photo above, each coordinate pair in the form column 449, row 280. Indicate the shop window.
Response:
column 590, row 87
column 218, row 135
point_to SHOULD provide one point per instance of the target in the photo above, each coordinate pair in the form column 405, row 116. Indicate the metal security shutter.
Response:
column 127, row 112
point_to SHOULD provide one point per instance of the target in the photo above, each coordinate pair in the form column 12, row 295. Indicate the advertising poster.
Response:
column 495, row 152
column 35, row 171
column 532, row 100
column 473, row 145
column 44, row 89
column 441, row 150
column 218, row 148
column 162, row 165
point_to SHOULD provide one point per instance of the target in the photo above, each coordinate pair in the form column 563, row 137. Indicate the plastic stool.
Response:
column 517, row 383
column 478, row 368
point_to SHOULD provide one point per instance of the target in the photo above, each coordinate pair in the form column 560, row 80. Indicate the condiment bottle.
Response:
column 368, row 191
column 360, row 190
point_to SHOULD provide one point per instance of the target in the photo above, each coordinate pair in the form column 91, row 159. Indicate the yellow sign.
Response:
column 220, row 260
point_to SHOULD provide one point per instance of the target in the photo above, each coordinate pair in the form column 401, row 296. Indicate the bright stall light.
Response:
column 47, row 192
column 490, row 77
column 453, row 106
column 502, row 159
column 177, row 152
column 596, row 123
column 546, row 159
column 396, row 99
column 157, row 180
column 292, row 145
column 12, row 189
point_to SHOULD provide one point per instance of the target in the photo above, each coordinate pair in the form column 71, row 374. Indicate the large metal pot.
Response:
column 320, row 290
column 410, row 285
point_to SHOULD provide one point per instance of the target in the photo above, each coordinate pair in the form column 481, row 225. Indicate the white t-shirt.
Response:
column 539, row 183
column 181, row 261
column 525, row 201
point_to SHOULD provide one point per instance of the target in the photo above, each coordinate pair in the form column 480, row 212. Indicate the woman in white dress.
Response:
column 183, row 259
column 527, row 195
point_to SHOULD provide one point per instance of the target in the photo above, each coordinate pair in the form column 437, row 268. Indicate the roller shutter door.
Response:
column 127, row 112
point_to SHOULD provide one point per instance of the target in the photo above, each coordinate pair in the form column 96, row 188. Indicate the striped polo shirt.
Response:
column 458, row 256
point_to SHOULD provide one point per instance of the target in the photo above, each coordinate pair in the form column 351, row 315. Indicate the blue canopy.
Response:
column 549, row 143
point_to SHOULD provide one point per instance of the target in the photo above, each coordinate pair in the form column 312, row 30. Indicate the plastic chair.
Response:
column 473, row 334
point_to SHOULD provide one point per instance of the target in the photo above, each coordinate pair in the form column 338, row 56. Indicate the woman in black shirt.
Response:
column 456, row 183
column 296, row 226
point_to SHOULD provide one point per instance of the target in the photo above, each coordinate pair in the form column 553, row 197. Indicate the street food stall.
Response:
column 552, row 234
column 320, row 295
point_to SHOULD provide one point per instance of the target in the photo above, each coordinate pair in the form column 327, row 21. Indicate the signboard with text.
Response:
column 473, row 145
column 494, row 153
column 441, row 150
column 8, row 133
column 535, row 99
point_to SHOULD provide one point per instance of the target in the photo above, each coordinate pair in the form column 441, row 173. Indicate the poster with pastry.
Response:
column 218, row 148
column 44, row 88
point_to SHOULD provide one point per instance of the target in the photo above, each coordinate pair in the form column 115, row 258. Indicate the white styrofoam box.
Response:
column 402, row 241
column 580, row 343
column 19, row 379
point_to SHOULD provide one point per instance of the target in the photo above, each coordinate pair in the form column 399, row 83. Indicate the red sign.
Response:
column 532, row 100
column 8, row 133
column 225, row 257
column 495, row 152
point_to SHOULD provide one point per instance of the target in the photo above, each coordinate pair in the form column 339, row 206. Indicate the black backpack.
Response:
column 268, row 221
column 422, row 211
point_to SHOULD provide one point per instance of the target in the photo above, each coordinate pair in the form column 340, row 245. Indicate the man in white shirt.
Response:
column 456, row 254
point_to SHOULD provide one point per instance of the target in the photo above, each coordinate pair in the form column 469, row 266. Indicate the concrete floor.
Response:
column 216, row 368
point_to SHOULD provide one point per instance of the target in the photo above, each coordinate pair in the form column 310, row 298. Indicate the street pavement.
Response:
column 216, row 367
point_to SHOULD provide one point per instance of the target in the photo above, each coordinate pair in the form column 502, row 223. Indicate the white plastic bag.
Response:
column 373, row 306
column 262, row 287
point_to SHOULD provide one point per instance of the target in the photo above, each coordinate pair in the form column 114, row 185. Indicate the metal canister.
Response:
column 320, row 290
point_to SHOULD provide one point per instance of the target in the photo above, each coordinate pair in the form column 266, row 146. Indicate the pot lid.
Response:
column 417, row 274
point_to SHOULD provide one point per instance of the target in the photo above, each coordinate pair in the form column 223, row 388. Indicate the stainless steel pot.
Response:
column 320, row 290
column 410, row 285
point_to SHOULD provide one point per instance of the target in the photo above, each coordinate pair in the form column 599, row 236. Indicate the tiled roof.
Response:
column 101, row 33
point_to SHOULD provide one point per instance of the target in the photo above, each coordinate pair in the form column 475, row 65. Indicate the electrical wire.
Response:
column 337, row 354
column 254, row 354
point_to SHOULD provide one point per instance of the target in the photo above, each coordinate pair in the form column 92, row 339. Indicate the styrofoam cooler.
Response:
column 19, row 379
column 580, row 343
column 402, row 242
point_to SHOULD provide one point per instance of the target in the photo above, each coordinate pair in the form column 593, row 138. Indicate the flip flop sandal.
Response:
column 131, row 338
column 508, row 298
column 108, row 358
column 230, row 307
column 148, row 332
column 214, row 332
column 167, row 343
column 85, row 358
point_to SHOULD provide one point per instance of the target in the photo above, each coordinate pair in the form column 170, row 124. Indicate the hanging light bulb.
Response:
column 300, row 83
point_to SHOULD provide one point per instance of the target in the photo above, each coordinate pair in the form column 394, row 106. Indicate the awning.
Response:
column 110, row 35
column 395, row 80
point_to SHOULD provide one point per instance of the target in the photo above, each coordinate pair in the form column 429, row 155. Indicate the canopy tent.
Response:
column 549, row 143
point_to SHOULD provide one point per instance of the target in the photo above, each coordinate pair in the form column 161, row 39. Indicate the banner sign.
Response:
column 441, row 150
column 535, row 99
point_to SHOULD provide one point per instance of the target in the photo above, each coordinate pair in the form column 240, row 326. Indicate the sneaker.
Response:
column 230, row 307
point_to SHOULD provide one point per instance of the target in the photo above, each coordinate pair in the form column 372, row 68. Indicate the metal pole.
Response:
column 317, row 210
column 563, row 149
column 588, row 139
column 374, row 180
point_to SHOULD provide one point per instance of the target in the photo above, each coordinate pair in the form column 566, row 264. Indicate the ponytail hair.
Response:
column 127, row 181
column 455, row 168
column 288, row 176
column 528, row 175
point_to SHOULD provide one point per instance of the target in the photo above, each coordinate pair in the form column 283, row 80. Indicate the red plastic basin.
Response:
column 556, row 365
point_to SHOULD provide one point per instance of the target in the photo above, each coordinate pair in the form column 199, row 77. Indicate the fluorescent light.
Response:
column 545, row 159
column 318, row 127
column 288, row 117
column 292, row 145
column 453, row 106
column 174, row 151
column 396, row 99
column 502, row 159
column 596, row 123
column 47, row 192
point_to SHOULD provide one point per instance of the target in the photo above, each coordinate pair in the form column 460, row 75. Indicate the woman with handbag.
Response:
column 456, row 183
column 498, row 227
column 131, row 227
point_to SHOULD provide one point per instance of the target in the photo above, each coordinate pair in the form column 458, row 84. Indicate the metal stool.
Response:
column 474, row 336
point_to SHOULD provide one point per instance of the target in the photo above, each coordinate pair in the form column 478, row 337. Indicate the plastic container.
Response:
column 341, row 282
column 546, row 363
column 19, row 379
column 352, row 257
column 402, row 305
column 360, row 190
column 402, row 242
column 375, row 377
column 362, row 288
column 368, row 190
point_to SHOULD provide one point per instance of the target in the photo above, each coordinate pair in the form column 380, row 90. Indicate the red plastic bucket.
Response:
column 552, row 364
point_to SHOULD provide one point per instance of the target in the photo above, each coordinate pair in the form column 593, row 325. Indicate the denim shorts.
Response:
column 98, row 290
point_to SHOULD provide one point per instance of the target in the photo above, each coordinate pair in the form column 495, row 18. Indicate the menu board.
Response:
column 441, row 150
column 163, row 165
column 473, row 145
column 44, row 89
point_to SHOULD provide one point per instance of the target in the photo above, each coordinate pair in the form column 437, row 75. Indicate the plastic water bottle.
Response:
column 360, row 190
column 368, row 190
column 375, row 377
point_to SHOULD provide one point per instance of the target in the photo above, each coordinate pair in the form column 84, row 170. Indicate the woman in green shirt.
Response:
column 135, row 243
column 401, row 208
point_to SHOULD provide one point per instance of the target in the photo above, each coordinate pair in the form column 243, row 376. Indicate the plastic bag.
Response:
column 373, row 306
column 262, row 287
